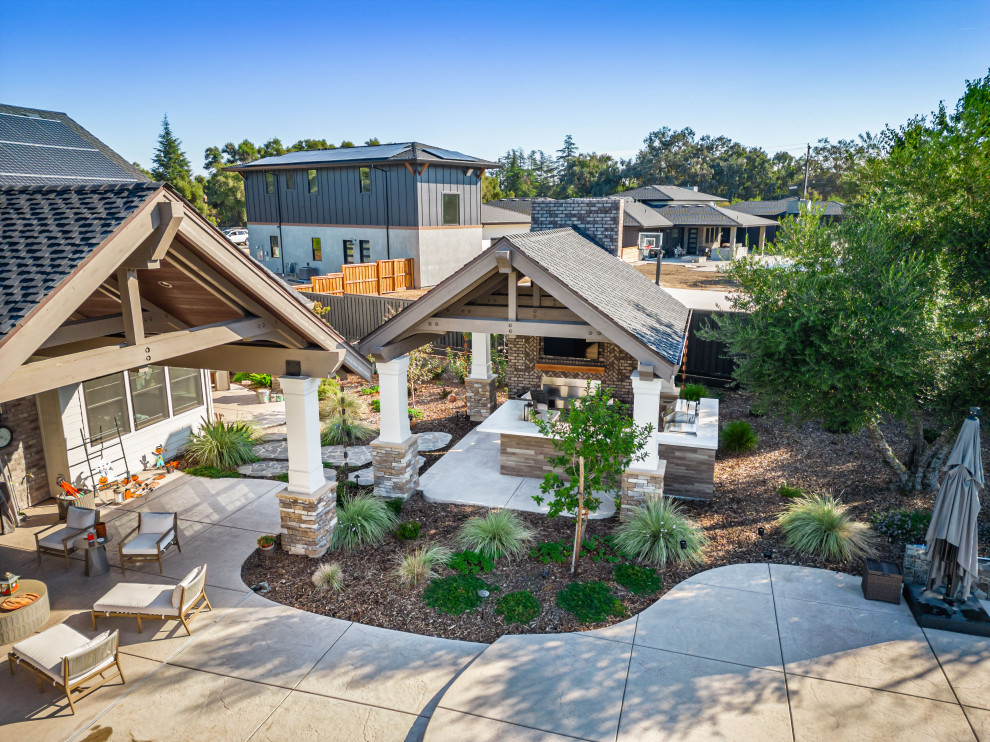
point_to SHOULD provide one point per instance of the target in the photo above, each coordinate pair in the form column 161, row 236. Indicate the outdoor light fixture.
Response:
column 760, row 531
column 768, row 554
column 482, row 593
column 544, row 573
column 683, row 545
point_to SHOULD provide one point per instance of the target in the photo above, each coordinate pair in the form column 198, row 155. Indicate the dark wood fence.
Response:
column 706, row 360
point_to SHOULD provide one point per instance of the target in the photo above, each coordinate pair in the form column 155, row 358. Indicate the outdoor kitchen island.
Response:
column 523, row 449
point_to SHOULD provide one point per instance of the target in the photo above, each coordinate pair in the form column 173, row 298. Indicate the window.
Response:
column 366, row 180
column 290, row 181
column 451, row 208
column 317, row 249
column 269, row 182
column 348, row 252
column 273, row 241
column 312, row 180
column 365, row 246
column 187, row 389
column 570, row 348
column 148, row 398
column 105, row 401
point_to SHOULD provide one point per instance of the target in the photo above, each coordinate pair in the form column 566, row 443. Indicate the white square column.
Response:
column 302, row 422
column 481, row 355
column 393, row 394
column 646, row 411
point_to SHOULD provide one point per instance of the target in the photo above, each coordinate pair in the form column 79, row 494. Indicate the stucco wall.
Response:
column 443, row 250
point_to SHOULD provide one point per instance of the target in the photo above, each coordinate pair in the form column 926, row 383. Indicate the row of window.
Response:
column 137, row 399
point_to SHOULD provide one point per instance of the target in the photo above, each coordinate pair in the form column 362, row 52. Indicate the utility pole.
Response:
column 807, row 162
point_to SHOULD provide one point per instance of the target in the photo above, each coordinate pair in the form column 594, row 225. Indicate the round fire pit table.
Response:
column 96, row 554
column 22, row 622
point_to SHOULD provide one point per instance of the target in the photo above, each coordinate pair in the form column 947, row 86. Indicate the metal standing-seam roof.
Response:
column 611, row 286
column 668, row 193
column 47, row 231
column 496, row 215
column 348, row 156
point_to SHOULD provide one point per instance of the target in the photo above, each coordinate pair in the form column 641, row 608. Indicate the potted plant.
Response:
column 266, row 544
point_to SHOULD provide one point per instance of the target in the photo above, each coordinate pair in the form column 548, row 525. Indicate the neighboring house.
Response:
column 118, row 297
column 700, row 228
column 644, row 231
column 497, row 222
column 321, row 209
column 665, row 195
column 784, row 207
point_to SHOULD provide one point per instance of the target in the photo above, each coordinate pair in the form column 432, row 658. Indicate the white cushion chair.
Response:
column 78, row 522
column 68, row 659
column 164, row 602
column 156, row 532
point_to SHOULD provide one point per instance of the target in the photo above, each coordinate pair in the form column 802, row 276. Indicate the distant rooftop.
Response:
column 411, row 152
column 668, row 193
column 520, row 205
column 496, row 215
column 785, row 206
column 706, row 215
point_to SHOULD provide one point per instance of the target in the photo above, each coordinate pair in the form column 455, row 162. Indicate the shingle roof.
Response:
column 38, row 147
column 47, row 231
column 496, row 215
column 641, row 215
column 784, row 206
column 704, row 215
column 668, row 193
column 611, row 286
column 521, row 205
column 402, row 152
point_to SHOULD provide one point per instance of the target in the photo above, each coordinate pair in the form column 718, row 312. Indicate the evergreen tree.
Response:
column 170, row 164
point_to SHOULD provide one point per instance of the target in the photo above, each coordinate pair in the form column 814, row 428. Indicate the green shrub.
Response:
column 454, row 595
column 329, row 577
column 518, row 607
column 349, row 431
column 368, row 391
column 283, row 477
column 590, row 602
column 498, row 533
column 785, row 490
column 408, row 531
column 821, row 526
column 907, row 526
column 694, row 392
column 395, row 505
column 376, row 405
column 221, row 445
column 327, row 388
column 654, row 532
column 415, row 413
column 637, row 580
column 421, row 565
column 257, row 381
column 362, row 520
column 738, row 437
column 552, row 552
column 212, row 472
column 470, row 563
column 602, row 549
column 338, row 403
column 459, row 365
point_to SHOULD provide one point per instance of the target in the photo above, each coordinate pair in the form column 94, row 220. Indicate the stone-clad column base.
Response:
column 639, row 486
column 481, row 397
column 396, row 473
column 308, row 520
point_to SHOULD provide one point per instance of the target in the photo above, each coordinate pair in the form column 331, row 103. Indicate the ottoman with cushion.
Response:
column 156, row 532
column 163, row 602
column 78, row 522
column 68, row 659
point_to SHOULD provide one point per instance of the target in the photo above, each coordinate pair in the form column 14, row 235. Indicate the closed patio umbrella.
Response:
column 951, row 542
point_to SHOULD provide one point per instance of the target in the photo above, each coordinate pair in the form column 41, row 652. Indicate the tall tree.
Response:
column 170, row 165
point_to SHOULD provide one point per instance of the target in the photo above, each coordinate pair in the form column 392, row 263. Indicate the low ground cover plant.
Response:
column 552, row 552
column 329, row 576
column 596, row 548
column 456, row 594
column 470, row 563
column 518, row 607
column 590, row 602
column 408, row 531
column 395, row 505
column 637, row 580
column 222, row 445
column 212, row 472
column 368, row 391
column 376, row 405
column 821, row 526
column 909, row 526
column 416, row 413
column 738, row 437
column 422, row 564
column 655, row 532
column 786, row 490
column 362, row 520
column 497, row 533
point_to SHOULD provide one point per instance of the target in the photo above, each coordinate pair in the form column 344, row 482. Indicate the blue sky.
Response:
column 485, row 77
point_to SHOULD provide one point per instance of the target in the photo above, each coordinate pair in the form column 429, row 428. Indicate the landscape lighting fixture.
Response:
column 760, row 531
column 683, row 545
column 768, row 554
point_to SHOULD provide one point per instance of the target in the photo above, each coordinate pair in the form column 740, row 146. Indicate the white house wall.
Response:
column 139, row 445
column 446, row 250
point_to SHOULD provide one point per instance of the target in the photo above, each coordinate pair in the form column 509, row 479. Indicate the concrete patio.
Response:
column 750, row 651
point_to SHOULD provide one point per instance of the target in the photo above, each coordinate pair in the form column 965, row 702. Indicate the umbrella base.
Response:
column 931, row 612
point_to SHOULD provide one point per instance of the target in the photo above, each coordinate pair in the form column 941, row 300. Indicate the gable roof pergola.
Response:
column 99, row 279
column 575, row 290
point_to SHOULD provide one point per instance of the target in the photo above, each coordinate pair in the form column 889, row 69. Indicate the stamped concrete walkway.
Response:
column 742, row 652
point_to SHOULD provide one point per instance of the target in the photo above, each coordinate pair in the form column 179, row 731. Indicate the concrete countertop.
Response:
column 707, row 435
column 507, row 419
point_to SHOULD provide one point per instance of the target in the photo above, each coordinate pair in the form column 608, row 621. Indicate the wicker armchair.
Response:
column 78, row 522
column 156, row 533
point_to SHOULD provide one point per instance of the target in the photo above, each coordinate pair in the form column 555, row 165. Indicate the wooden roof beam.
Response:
column 400, row 347
column 166, row 220
column 315, row 362
column 523, row 327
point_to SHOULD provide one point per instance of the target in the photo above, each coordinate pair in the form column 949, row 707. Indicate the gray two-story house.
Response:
column 326, row 208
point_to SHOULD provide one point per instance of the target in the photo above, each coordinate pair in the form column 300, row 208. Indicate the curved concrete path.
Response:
column 742, row 652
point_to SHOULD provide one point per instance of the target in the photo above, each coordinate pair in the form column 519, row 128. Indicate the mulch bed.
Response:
column 745, row 500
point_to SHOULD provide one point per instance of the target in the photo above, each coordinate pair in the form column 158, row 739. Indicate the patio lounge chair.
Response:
column 164, row 602
column 156, row 532
column 68, row 659
column 78, row 522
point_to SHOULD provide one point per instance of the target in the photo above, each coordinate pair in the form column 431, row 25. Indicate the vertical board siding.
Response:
column 438, row 180
column 707, row 359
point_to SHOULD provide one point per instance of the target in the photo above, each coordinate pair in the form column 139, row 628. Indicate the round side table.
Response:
column 16, row 625
column 96, row 554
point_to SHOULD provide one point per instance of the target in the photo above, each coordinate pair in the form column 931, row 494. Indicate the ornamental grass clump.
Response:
column 655, row 531
column 693, row 392
column 343, row 430
column 362, row 520
column 337, row 402
column 498, row 533
column 222, row 445
column 820, row 525
column 421, row 565
column 738, row 437
column 329, row 577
